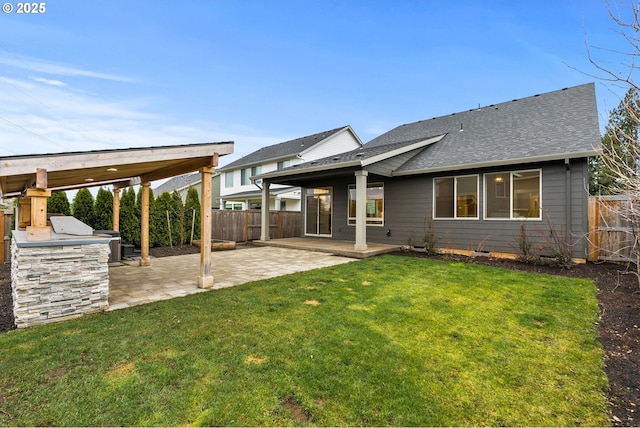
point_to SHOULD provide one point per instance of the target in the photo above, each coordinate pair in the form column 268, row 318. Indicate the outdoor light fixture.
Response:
column 112, row 169
column 88, row 180
column 498, row 179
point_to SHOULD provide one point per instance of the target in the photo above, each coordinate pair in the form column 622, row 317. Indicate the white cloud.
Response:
column 48, row 81
column 51, row 118
column 47, row 67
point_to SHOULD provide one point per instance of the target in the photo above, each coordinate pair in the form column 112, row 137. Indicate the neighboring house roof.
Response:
column 258, row 193
column 361, row 157
column 178, row 183
column 285, row 150
column 555, row 125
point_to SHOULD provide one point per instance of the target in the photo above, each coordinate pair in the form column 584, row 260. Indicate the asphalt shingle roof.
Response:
column 179, row 182
column 555, row 125
column 552, row 125
column 281, row 150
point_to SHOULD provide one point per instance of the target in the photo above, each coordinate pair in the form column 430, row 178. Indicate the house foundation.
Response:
column 59, row 279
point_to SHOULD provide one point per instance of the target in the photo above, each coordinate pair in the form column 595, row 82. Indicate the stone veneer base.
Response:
column 59, row 279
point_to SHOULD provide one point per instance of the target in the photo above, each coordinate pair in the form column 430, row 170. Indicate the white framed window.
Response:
column 456, row 197
column 513, row 195
column 235, row 206
column 245, row 173
column 283, row 164
column 228, row 179
column 375, row 204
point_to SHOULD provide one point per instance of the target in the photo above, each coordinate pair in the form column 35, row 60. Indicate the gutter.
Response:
column 305, row 170
column 490, row 164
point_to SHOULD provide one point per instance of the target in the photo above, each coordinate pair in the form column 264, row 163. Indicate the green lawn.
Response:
column 382, row 341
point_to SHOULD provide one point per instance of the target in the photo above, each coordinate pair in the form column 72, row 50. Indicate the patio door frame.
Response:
column 319, row 198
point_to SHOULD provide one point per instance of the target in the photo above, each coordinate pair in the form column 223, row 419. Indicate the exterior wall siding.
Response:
column 409, row 209
column 237, row 178
column 342, row 142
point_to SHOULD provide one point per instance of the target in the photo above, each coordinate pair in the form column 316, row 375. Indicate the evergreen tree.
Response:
column 191, row 205
column 159, row 228
column 103, row 210
column 58, row 203
column 129, row 224
column 83, row 206
column 621, row 134
column 178, row 230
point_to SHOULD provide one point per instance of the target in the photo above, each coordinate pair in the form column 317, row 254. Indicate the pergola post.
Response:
column 361, row 211
column 264, row 218
column 205, row 279
column 144, row 234
column 37, row 230
column 116, row 209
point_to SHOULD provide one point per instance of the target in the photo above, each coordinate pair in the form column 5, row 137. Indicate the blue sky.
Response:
column 87, row 75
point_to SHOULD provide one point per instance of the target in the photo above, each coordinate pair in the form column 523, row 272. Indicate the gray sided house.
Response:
column 476, row 177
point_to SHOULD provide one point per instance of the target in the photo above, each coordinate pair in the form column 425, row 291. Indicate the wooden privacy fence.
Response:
column 6, row 218
column 243, row 226
column 612, row 236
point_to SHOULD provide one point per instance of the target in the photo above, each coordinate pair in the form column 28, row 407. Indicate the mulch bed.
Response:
column 619, row 327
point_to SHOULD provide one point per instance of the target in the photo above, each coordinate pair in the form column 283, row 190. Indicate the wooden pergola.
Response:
column 32, row 178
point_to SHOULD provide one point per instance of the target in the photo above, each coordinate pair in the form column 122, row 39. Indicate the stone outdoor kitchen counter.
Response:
column 65, row 277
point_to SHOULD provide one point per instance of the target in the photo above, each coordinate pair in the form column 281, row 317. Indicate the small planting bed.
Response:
column 218, row 244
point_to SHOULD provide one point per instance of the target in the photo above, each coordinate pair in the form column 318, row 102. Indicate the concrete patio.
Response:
column 170, row 277
column 325, row 245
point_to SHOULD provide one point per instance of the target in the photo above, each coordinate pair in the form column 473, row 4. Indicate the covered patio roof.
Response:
column 34, row 177
column 120, row 167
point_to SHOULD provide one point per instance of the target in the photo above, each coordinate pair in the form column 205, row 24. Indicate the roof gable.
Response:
column 283, row 150
column 361, row 157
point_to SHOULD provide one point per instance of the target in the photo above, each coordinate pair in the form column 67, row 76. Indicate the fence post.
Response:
column 593, row 241
column 279, row 225
column 2, row 235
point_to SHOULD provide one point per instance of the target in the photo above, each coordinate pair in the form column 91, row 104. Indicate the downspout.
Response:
column 567, row 164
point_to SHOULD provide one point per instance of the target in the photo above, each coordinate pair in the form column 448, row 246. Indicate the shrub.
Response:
column 129, row 222
column 557, row 244
column 83, row 206
column 430, row 239
column 103, row 210
column 58, row 203
column 191, row 206
column 177, row 225
column 159, row 234
column 525, row 245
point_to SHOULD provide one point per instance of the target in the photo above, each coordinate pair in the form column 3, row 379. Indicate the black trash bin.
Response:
column 114, row 243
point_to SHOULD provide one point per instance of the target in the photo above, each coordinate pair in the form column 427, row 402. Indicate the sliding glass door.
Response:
column 318, row 211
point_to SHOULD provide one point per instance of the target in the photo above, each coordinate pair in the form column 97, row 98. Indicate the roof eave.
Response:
column 258, row 162
column 490, row 164
column 294, row 172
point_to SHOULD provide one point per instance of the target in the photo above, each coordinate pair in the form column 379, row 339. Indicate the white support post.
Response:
column 361, row 211
column 264, row 218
